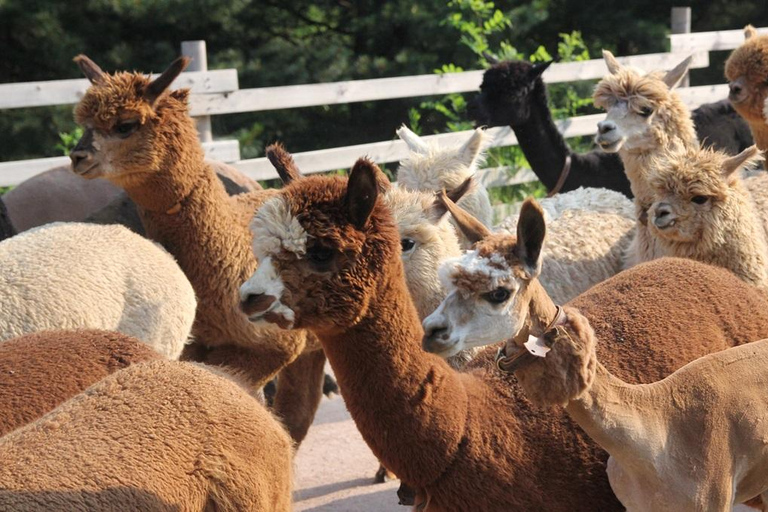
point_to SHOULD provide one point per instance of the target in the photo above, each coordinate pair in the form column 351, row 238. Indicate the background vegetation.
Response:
column 278, row 42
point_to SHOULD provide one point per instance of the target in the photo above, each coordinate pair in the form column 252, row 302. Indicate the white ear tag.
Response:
column 536, row 346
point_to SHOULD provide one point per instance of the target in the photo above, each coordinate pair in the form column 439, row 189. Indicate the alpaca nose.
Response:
column 256, row 303
column 663, row 216
column 78, row 157
column 604, row 127
column 433, row 337
column 738, row 90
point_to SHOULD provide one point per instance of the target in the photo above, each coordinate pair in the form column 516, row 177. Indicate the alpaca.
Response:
column 513, row 94
column 160, row 435
column 139, row 136
column 746, row 69
column 74, row 275
column 41, row 370
column 494, row 292
column 330, row 262
column 431, row 168
column 702, row 211
column 59, row 195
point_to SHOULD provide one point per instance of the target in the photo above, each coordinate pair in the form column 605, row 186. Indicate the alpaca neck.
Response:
column 541, row 142
column 622, row 418
column 409, row 405
column 760, row 133
column 541, row 309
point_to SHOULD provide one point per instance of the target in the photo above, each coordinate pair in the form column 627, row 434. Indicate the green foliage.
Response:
column 69, row 140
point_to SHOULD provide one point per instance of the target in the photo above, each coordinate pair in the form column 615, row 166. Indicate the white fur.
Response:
column 431, row 168
column 275, row 228
column 266, row 281
column 73, row 275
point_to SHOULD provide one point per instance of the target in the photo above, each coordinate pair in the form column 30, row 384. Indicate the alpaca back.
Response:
column 41, row 370
column 156, row 436
column 73, row 275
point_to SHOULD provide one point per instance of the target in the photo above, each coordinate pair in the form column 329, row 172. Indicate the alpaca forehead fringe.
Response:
column 120, row 93
column 750, row 59
column 473, row 273
column 629, row 85
column 275, row 229
column 694, row 171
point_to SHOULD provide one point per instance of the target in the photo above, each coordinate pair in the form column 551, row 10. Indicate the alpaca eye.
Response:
column 319, row 254
column 646, row 111
column 126, row 128
column 407, row 244
column 699, row 199
column 497, row 296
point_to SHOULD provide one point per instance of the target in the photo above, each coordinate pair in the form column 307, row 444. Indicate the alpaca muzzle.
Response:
column 738, row 90
column 82, row 156
column 663, row 217
column 256, row 304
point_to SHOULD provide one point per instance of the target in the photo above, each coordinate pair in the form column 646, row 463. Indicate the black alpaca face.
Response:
column 506, row 93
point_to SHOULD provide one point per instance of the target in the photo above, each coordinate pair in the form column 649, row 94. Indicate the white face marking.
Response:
column 266, row 281
column 274, row 228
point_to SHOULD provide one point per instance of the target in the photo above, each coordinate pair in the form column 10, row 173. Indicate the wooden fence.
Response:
column 217, row 92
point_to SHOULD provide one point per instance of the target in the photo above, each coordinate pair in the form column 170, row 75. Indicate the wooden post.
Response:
column 197, row 52
column 681, row 24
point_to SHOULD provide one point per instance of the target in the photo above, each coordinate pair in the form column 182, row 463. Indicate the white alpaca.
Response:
column 75, row 275
column 431, row 168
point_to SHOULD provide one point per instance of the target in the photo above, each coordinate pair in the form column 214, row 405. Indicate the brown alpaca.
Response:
column 140, row 137
column 746, row 70
column 39, row 371
column 467, row 440
column 160, row 436
column 701, row 210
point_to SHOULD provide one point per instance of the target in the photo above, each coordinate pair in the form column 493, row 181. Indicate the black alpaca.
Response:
column 513, row 94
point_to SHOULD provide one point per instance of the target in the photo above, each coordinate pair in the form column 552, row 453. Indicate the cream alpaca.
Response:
column 155, row 436
column 701, row 210
column 431, row 168
column 74, row 275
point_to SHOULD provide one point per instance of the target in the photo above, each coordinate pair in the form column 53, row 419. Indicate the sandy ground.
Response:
column 335, row 468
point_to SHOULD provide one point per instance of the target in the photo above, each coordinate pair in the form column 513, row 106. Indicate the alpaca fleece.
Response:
column 470, row 440
column 83, row 276
column 749, row 62
column 161, row 435
column 184, row 207
column 41, row 370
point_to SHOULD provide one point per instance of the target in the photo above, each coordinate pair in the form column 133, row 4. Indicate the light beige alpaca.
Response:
column 701, row 210
column 156, row 436
column 431, row 168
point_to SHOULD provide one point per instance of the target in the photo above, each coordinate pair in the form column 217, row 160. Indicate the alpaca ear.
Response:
column 490, row 58
column 746, row 158
column 90, row 69
column 472, row 149
column 472, row 228
column 413, row 141
column 539, row 68
column 283, row 163
column 362, row 191
column 749, row 32
column 156, row 88
column 439, row 209
column 610, row 61
column 674, row 76
column 531, row 230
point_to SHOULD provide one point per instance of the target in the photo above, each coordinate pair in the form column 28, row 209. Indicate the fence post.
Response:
column 681, row 24
column 197, row 52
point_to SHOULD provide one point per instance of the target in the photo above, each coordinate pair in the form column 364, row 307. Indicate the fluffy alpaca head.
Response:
column 488, row 287
column 643, row 112
column 324, row 244
column 694, row 191
column 747, row 72
column 507, row 92
column 133, row 126
column 568, row 370
column 429, row 167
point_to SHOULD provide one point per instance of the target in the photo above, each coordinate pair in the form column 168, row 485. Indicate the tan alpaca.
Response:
column 746, row 70
column 468, row 440
column 701, row 210
column 645, row 119
column 139, row 136
column 162, row 435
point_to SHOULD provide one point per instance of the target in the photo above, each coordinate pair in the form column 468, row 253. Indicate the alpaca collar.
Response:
column 523, row 357
column 563, row 176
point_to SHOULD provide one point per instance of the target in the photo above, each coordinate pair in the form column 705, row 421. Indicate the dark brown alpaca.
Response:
column 39, row 371
column 139, row 136
column 467, row 440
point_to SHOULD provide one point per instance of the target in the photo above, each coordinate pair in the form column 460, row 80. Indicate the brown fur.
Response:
column 39, row 371
column 471, row 440
column 184, row 207
column 155, row 436
column 749, row 64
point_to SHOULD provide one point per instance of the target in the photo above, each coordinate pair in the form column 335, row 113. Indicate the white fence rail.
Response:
column 216, row 93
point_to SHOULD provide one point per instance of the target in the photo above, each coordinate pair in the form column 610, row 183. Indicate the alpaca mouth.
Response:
column 87, row 173
column 610, row 146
